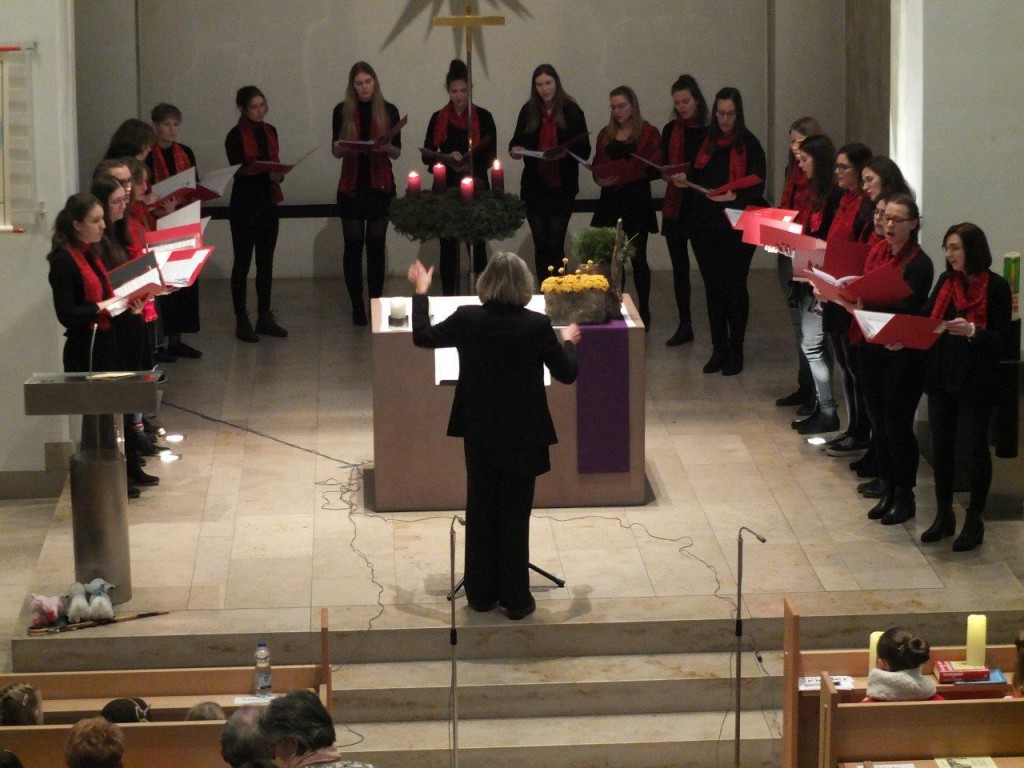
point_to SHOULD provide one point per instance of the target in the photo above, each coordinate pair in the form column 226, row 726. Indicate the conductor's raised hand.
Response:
column 420, row 276
column 571, row 333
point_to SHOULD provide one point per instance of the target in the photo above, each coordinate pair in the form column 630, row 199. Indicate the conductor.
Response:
column 500, row 410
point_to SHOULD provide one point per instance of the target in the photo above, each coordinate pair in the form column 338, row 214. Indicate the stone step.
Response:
column 610, row 741
column 587, row 685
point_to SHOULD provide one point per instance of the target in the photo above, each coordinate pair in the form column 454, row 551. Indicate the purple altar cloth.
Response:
column 602, row 399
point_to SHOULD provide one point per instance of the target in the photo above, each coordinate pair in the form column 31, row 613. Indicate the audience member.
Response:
column 21, row 704
column 94, row 743
column 134, row 710
column 241, row 741
column 898, row 675
column 299, row 731
column 9, row 760
column 206, row 710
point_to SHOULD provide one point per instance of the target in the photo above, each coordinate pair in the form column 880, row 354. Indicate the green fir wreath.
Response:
column 435, row 216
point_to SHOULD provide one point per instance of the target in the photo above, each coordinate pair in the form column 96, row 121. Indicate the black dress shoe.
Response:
column 521, row 613
column 244, row 331
column 133, row 491
column 799, row 397
column 795, row 423
column 872, row 489
column 483, row 607
column 733, row 364
column 819, row 423
column 266, row 325
column 715, row 362
column 972, row 535
column 944, row 525
column 180, row 349
column 847, row 446
column 137, row 476
column 683, row 335
column 902, row 510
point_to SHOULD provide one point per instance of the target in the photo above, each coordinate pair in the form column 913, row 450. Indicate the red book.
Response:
column 744, row 182
column 258, row 167
column 912, row 331
column 137, row 279
column 959, row 672
column 183, row 267
column 776, row 233
column 380, row 141
column 163, row 242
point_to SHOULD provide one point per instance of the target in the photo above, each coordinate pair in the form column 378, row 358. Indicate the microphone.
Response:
column 461, row 520
column 755, row 534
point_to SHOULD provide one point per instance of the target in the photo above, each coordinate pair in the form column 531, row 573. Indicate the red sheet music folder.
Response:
column 912, row 331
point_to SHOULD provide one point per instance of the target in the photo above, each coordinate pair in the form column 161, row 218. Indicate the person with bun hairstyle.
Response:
column 625, row 184
column 898, row 675
column 367, row 183
column 548, row 187
column 253, row 214
column 449, row 132
column 963, row 370
column 21, row 704
column 680, row 139
column 133, row 138
column 729, row 152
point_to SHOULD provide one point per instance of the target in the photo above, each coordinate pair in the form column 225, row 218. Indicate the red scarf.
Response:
column 737, row 154
column 796, row 194
column 549, row 169
column 971, row 298
column 139, row 211
column 676, row 151
column 846, row 213
column 160, row 169
column 448, row 116
column 381, row 178
column 95, row 280
column 881, row 255
column 136, row 231
column 251, row 151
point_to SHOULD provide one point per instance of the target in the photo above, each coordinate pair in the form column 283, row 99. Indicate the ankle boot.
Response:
column 824, row 420
column 871, row 489
column 266, row 324
column 683, row 335
column 137, row 475
column 903, row 509
column 944, row 525
column 885, row 503
column 972, row 534
column 244, row 331
column 715, row 362
column 733, row 361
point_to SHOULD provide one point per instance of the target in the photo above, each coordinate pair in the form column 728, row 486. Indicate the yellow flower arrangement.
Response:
column 575, row 283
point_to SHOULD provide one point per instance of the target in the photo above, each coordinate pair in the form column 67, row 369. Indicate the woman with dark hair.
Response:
column 501, row 412
column 893, row 376
column 133, row 138
column 880, row 178
column 367, row 184
column 817, row 159
column 729, row 153
column 795, row 198
column 299, row 731
column 550, row 118
column 962, row 373
column 625, row 184
column 853, row 213
column 898, row 675
column 680, row 139
column 449, row 132
column 253, row 215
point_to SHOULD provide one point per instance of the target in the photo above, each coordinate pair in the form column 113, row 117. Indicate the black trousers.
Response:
column 253, row 230
column 967, row 415
column 371, row 234
column 450, row 277
column 677, row 240
column 548, row 231
column 499, row 499
column 893, row 384
column 724, row 262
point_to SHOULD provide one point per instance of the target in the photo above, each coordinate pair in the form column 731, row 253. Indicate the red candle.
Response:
column 497, row 178
column 414, row 184
column 466, row 190
column 439, row 178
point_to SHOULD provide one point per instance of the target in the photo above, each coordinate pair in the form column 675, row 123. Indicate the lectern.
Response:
column 99, row 491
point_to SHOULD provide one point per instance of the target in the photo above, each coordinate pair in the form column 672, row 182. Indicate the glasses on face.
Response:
column 843, row 167
column 721, row 115
column 878, row 214
column 952, row 249
column 895, row 219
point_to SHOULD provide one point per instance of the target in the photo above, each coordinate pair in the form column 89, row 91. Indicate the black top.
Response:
column 535, row 193
column 458, row 141
column 168, row 154
column 366, row 203
column 706, row 212
column 630, row 201
column 73, row 312
column 957, row 364
column 499, row 398
column 250, row 191
column 694, row 138
column 828, row 213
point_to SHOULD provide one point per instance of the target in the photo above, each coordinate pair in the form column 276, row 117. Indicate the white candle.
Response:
column 977, row 625
column 873, row 650
column 398, row 305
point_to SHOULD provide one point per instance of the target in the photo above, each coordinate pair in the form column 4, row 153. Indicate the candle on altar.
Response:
column 398, row 307
column 466, row 190
column 440, row 184
column 414, row 184
column 873, row 650
column 497, row 178
column 977, row 625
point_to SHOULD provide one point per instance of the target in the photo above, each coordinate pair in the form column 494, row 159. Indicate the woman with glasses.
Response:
column 893, row 376
column 962, row 373
column 625, row 184
column 729, row 153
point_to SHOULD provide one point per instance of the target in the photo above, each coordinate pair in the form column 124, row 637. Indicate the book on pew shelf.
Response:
column 813, row 682
column 137, row 279
column 954, row 671
column 965, row 762
column 995, row 677
column 913, row 332
column 183, row 267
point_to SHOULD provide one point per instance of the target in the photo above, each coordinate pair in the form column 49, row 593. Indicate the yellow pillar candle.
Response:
column 976, row 631
column 873, row 650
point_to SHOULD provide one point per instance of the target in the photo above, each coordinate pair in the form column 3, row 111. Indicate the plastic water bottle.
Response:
column 262, row 679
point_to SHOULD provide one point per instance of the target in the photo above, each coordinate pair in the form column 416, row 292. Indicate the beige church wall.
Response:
column 867, row 73
column 29, row 333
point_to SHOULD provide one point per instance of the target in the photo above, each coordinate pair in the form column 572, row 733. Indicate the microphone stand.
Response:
column 454, row 640
column 739, row 634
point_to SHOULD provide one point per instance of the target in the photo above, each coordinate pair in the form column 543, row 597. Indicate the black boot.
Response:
column 866, row 466
column 903, row 509
column 733, row 361
column 799, row 397
column 944, row 525
column 266, row 324
column 244, row 331
column 715, row 362
column 820, row 422
column 972, row 534
column 871, row 489
column 683, row 335
column 885, row 503
column 137, row 475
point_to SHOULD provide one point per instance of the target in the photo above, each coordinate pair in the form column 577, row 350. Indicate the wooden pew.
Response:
column 905, row 730
column 801, row 711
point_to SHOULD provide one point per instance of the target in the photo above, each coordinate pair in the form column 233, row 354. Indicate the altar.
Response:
column 418, row 467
